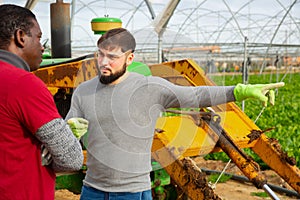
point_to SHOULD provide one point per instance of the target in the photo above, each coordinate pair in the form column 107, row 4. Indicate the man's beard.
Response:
column 111, row 78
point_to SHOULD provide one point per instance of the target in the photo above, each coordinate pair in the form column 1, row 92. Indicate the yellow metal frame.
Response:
column 234, row 122
column 67, row 75
column 179, row 137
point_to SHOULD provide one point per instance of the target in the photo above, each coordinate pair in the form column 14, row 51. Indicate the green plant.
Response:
column 259, row 194
column 214, row 177
column 283, row 116
column 217, row 156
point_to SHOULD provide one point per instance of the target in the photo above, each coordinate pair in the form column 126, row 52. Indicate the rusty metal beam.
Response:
column 270, row 152
column 183, row 171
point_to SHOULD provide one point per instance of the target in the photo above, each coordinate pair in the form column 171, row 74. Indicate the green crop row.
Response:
column 283, row 117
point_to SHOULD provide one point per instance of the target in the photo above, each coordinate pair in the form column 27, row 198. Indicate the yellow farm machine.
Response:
column 184, row 134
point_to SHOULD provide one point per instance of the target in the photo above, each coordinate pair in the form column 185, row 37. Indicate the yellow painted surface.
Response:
column 181, row 136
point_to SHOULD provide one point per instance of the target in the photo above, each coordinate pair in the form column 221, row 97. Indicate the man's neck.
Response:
column 120, row 79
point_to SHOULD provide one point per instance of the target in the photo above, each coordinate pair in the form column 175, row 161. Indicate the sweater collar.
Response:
column 13, row 59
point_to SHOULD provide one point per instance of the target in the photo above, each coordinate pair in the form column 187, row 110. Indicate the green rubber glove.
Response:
column 78, row 126
column 262, row 92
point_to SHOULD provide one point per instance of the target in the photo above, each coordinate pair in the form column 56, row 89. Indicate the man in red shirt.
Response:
column 28, row 115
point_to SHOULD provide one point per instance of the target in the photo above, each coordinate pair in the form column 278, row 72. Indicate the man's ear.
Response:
column 19, row 37
column 129, row 59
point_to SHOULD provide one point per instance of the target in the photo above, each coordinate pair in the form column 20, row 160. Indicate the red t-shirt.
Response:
column 25, row 105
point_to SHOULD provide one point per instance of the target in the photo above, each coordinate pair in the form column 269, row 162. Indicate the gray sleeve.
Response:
column 75, row 110
column 174, row 96
column 63, row 146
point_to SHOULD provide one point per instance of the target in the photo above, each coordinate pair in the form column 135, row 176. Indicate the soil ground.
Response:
column 230, row 190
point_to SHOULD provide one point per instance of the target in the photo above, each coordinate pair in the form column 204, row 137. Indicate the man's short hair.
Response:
column 115, row 38
column 12, row 18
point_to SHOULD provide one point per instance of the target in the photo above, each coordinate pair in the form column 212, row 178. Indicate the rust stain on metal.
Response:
column 173, row 65
column 181, row 62
column 255, row 134
column 259, row 181
column 60, row 73
column 89, row 67
column 43, row 75
column 199, row 179
column 283, row 155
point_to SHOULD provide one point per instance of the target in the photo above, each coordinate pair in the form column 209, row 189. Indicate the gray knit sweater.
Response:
column 122, row 120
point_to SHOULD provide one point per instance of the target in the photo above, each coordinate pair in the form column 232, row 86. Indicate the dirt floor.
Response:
column 230, row 190
column 242, row 190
